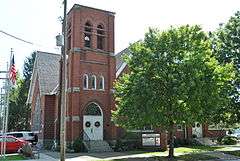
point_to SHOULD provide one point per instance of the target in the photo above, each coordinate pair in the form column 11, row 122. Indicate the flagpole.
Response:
column 7, row 91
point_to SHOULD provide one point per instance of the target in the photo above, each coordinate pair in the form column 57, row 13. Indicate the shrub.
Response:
column 229, row 140
column 219, row 139
column 185, row 142
column 77, row 145
column 26, row 150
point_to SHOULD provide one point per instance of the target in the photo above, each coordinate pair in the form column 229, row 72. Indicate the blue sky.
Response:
column 37, row 20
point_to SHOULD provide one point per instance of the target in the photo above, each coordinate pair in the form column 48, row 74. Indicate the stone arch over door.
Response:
column 93, row 122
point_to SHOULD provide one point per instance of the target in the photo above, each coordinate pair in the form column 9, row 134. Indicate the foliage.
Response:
column 229, row 140
column 226, row 45
column 78, row 145
column 174, row 79
column 27, row 150
column 129, row 141
column 19, row 111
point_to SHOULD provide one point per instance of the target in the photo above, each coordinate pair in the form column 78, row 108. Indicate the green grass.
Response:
column 13, row 157
column 186, row 157
column 236, row 153
column 190, row 149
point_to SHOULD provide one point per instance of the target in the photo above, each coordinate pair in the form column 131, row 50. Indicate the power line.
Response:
column 28, row 42
column 16, row 37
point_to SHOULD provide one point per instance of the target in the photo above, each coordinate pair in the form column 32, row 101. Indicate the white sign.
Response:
column 151, row 139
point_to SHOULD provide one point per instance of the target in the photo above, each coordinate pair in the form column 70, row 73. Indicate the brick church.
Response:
column 92, row 67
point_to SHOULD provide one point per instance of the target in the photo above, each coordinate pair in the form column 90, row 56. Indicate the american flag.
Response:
column 12, row 71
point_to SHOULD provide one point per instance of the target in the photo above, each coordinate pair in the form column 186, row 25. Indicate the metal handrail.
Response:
column 85, row 136
column 86, row 140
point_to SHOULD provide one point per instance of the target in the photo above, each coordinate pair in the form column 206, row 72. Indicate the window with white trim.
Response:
column 101, row 83
column 93, row 82
column 85, row 81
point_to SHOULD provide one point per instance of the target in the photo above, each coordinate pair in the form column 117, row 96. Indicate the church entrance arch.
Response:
column 93, row 122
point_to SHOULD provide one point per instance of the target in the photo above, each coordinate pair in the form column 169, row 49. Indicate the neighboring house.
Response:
column 92, row 69
column 41, row 95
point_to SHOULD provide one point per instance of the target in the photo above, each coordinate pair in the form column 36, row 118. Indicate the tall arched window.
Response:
column 93, row 109
column 93, row 82
column 100, row 37
column 101, row 83
column 87, row 34
column 85, row 81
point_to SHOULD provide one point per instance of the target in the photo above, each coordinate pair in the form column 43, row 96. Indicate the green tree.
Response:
column 174, row 78
column 226, row 45
column 19, row 111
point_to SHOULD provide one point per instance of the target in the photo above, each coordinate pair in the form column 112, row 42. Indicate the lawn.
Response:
column 236, row 153
column 192, row 149
column 186, row 157
column 192, row 153
column 13, row 157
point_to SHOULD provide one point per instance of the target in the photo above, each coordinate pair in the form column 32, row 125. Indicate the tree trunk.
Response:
column 171, row 143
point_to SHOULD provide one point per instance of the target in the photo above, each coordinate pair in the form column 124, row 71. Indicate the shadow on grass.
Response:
column 205, row 148
column 186, row 153
column 186, row 157
column 235, row 153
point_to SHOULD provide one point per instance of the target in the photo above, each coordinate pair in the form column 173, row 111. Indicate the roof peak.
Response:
column 79, row 6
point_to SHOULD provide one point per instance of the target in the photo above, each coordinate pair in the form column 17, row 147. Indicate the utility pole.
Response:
column 64, row 87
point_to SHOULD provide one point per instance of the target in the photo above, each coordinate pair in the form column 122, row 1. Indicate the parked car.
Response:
column 24, row 135
column 235, row 133
column 13, row 144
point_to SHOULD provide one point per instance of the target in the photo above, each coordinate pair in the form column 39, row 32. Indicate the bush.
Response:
column 229, row 140
column 26, row 150
column 129, row 141
column 219, row 139
column 77, row 145
column 185, row 142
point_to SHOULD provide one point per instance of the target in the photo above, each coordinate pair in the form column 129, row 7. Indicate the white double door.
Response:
column 93, row 127
column 197, row 130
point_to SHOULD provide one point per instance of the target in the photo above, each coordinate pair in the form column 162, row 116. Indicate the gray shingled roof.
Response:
column 119, row 59
column 47, row 66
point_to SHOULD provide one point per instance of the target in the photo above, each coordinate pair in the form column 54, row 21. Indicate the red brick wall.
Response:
column 49, row 112
column 212, row 133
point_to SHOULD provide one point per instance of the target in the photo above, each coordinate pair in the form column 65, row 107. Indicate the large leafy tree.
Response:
column 226, row 45
column 174, row 78
column 19, row 111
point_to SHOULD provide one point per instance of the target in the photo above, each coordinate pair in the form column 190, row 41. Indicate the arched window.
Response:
column 93, row 82
column 93, row 109
column 87, row 34
column 100, row 37
column 101, row 83
column 85, row 81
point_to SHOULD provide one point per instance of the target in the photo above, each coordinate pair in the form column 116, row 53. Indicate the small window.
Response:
column 93, row 82
column 100, row 37
column 87, row 34
column 85, row 81
column 101, row 83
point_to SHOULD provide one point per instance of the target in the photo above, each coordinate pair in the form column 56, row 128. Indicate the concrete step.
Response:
column 97, row 146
